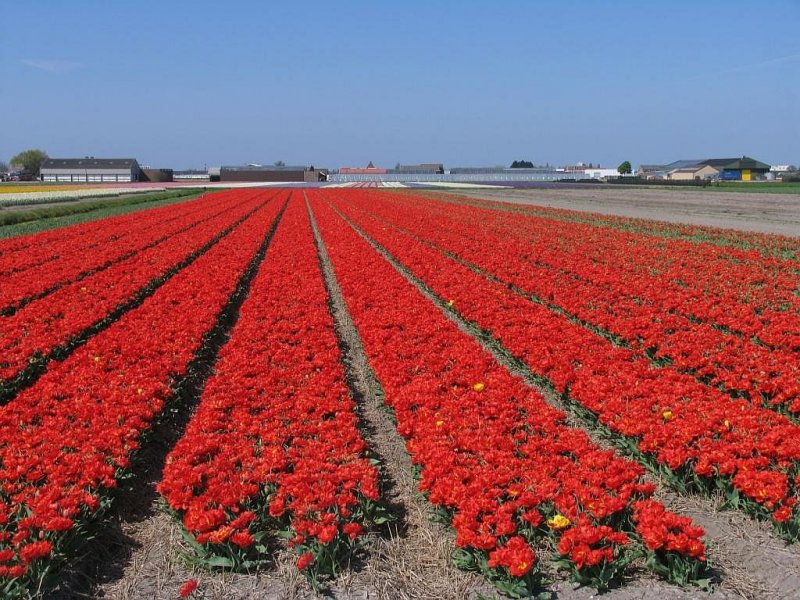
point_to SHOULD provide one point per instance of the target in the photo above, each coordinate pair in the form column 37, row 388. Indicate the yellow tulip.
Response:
column 559, row 522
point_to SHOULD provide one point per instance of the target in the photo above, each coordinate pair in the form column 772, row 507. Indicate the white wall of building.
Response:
column 600, row 173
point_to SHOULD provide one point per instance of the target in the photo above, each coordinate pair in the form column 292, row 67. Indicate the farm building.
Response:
column 90, row 170
column 651, row 172
column 601, row 173
column 739, row 169
column 257, row 173
column 422, row 168
column 459, row 175
column 192, row 175
column 727, row 169
column 698, row 172
column 782, row 172
column 370, row 169
column 156, row 175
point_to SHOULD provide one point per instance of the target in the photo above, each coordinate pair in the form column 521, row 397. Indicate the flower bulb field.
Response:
column 281, row 393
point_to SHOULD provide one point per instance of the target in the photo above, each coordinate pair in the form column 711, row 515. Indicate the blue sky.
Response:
column 182, row 84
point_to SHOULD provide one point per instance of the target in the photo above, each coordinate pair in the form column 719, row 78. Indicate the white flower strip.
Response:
column 22, row 198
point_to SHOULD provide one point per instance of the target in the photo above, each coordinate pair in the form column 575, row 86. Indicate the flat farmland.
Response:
column 747, row 211
column 286, row 393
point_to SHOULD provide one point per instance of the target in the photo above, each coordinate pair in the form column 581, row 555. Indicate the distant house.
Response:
column 90, row 170
column 651, row 172
column 782, row 172
column 695, row 173
column 192, row 175
column 368, row 170
column 601, row 173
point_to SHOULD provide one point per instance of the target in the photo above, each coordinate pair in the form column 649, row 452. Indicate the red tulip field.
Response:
column 577, row 403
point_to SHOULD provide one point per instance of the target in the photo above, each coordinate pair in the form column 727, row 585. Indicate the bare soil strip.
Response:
column 751, row 563
column 765, row 213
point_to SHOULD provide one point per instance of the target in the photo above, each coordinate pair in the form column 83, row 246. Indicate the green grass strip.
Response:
column 758, row 187
column 22, row 222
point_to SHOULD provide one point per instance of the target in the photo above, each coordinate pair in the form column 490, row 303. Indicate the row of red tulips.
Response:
column 20, row 253
column 638, row 309
column 491, row 451
column 37, row 243
column 32, row 333
column 66, row 440
column 742, row 290
column 274, row 443
column 779, row 246
column 755, row 290
column 64, row 255
column 696, row 434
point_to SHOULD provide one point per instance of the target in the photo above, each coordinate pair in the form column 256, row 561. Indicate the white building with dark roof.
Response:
column 90, row 170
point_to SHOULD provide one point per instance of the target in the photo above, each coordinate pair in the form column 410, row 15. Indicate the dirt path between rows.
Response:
column 745, row 211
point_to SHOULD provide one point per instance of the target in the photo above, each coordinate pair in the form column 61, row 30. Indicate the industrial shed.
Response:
column 695, row 173
column 725, row 169
column 420, row 169
column 156, row 175
column 739, row 169
column 256, row 173
column 90, row 170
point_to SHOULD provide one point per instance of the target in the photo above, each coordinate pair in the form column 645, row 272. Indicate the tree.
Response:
column 4, row 167
column 625, row 168
column 279, row 163
column 522, row 164
column 29, row 161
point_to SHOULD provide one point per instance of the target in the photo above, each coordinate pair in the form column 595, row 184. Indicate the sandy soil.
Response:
column 746, row 211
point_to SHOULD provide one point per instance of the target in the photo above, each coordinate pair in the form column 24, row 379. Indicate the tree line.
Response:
column 27, row 161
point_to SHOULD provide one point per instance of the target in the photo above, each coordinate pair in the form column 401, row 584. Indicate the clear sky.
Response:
column 185, row 84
